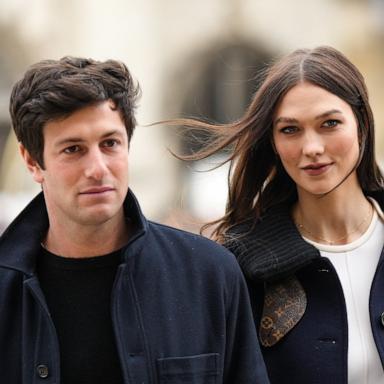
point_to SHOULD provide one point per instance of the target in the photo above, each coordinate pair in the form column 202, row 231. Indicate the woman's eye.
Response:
column 331, row 123
column 288, row 130
column 72, row 149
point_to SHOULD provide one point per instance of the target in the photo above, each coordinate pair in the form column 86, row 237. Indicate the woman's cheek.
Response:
column 343, row 145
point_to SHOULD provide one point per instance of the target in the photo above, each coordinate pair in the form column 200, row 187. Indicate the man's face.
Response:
column 85, row 179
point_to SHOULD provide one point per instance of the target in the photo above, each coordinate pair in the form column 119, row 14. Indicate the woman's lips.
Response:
column 316, row 169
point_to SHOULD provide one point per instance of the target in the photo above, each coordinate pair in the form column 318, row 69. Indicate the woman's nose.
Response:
column 313, row 145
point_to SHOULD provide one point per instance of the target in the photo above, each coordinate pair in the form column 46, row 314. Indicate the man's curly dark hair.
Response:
column 54, row 89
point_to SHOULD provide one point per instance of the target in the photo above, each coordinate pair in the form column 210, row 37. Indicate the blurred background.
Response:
column 191, row 58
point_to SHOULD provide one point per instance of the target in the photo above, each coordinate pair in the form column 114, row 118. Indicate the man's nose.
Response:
column 96, row 166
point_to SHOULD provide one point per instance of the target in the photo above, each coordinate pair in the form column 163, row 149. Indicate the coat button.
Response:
column 42, row 371
column 382, row 319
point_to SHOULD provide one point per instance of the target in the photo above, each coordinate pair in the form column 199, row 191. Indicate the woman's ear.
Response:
column 32, row 165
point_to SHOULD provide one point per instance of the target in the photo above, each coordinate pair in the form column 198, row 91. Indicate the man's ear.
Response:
column 32, row 165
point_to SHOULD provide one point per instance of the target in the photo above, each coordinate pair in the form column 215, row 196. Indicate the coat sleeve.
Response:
column 244, row 363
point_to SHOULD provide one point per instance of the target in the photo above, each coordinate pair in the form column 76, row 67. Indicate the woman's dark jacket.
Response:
column 302, row 320
column 180, row 308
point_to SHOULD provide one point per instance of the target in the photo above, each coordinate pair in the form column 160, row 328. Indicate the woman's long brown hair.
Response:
column 257, row 179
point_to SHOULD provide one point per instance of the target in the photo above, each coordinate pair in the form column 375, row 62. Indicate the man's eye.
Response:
column 331, row 123
column 110, row 143
column 72, row 149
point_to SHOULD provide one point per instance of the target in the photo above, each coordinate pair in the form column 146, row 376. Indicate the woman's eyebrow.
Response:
column 283, row 119
column 325, row 114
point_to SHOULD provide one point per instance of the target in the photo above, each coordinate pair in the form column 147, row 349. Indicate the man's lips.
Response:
column 96, row 190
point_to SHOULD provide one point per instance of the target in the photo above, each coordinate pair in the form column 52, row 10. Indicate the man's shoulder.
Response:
column 191, row 243
column 9, row 279
column 182, row 235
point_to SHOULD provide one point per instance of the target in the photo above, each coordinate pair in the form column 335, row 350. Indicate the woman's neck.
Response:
column 336, row 218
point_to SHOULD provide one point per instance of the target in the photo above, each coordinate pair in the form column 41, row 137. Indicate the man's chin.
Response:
column 97, row 217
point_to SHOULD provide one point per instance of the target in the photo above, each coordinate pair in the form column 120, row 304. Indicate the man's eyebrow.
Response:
column 78, row 140
column 291, row 120
column 112, row 133
column 69, row 140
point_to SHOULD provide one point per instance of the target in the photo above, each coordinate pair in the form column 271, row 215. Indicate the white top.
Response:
column 355, row 264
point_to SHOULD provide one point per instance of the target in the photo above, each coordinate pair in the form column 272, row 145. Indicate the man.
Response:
column 90, row 291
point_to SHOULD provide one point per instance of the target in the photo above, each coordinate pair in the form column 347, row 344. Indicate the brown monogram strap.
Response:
column 284, row 305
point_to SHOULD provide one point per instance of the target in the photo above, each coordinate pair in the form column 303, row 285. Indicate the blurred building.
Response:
column 195, row 58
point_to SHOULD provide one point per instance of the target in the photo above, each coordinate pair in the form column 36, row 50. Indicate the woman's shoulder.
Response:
column 270, row 247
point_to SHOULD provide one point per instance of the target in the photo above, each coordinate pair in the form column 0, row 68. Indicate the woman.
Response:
column 304, row 218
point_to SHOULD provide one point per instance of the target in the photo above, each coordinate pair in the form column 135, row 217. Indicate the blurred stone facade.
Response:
column 191, row 58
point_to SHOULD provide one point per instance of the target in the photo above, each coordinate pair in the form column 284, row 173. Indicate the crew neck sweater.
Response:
column 78, row 296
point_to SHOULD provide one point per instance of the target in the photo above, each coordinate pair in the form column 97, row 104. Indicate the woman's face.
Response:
column 315, row 134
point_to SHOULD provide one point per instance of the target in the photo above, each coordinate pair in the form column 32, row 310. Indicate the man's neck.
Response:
column 79, row 241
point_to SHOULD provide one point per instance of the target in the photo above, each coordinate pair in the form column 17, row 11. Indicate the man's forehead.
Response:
column 96, row 121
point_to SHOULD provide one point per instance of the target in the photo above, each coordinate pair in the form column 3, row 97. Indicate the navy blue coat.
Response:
column 315, row 349
column 180, row 308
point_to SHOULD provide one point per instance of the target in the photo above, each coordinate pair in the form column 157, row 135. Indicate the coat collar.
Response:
column 273, row 248
column 20, row 243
